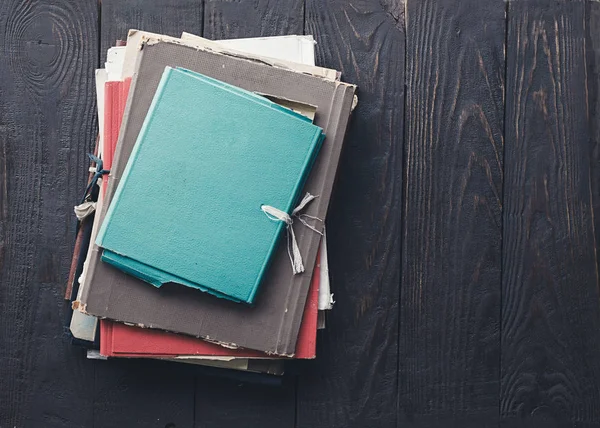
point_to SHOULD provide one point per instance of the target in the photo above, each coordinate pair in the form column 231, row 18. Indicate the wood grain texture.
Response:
column 592, row 44
column 171, row 17
column 226, row 403
column 353, row 381
column 145, row 393
column 551, row 310
column 47, row 124
column 228, row 19
column 466, row 279
column 449, row 339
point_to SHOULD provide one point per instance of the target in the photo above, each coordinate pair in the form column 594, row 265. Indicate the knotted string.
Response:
column 276, row 214
column 100, row 171
column 86, row 206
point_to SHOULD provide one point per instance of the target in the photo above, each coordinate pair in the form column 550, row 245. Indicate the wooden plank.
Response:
column 449, row 344
column 224, row 402
column 144, row 393
column 551, row 310
column 47, row 124
column 353, row 381
column 228, row 403
column 593, row 76
column 226, row 19
column 170, row 17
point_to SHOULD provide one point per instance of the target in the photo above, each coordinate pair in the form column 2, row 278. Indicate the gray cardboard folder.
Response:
column 273, row 323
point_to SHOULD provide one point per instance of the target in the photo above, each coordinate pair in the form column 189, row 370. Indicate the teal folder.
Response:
column 188, row 207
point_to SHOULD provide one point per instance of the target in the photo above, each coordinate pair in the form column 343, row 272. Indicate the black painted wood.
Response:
column 465, row 268
column 227, row 403
column 449, row 347
column 145, row 393
column 353, row 382
column 226, row 19
column 592, row 44
column 47, row 124
column 170, row 17
column 551, row 311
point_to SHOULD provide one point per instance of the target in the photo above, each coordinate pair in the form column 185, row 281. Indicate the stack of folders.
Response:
column 201, row 234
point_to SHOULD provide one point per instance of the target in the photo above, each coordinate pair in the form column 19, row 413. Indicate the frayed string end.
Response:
column 276, row 214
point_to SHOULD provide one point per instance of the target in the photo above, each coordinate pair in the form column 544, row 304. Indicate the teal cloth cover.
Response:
column 188, row 207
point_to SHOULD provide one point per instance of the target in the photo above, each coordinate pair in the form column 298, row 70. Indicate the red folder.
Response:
column 115, row 99
column 120, row 340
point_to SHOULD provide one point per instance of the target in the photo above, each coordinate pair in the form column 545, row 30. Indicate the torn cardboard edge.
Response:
column 296, row 67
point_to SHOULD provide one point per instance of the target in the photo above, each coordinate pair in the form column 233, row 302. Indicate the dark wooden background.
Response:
column 464, row 223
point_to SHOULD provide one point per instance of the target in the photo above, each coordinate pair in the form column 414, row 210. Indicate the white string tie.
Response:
column 276, row 214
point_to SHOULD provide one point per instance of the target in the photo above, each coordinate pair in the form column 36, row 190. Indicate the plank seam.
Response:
column 404, row 27
column 504, row 125
column 304, row 17
column 202, row 26
column 99, row 35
